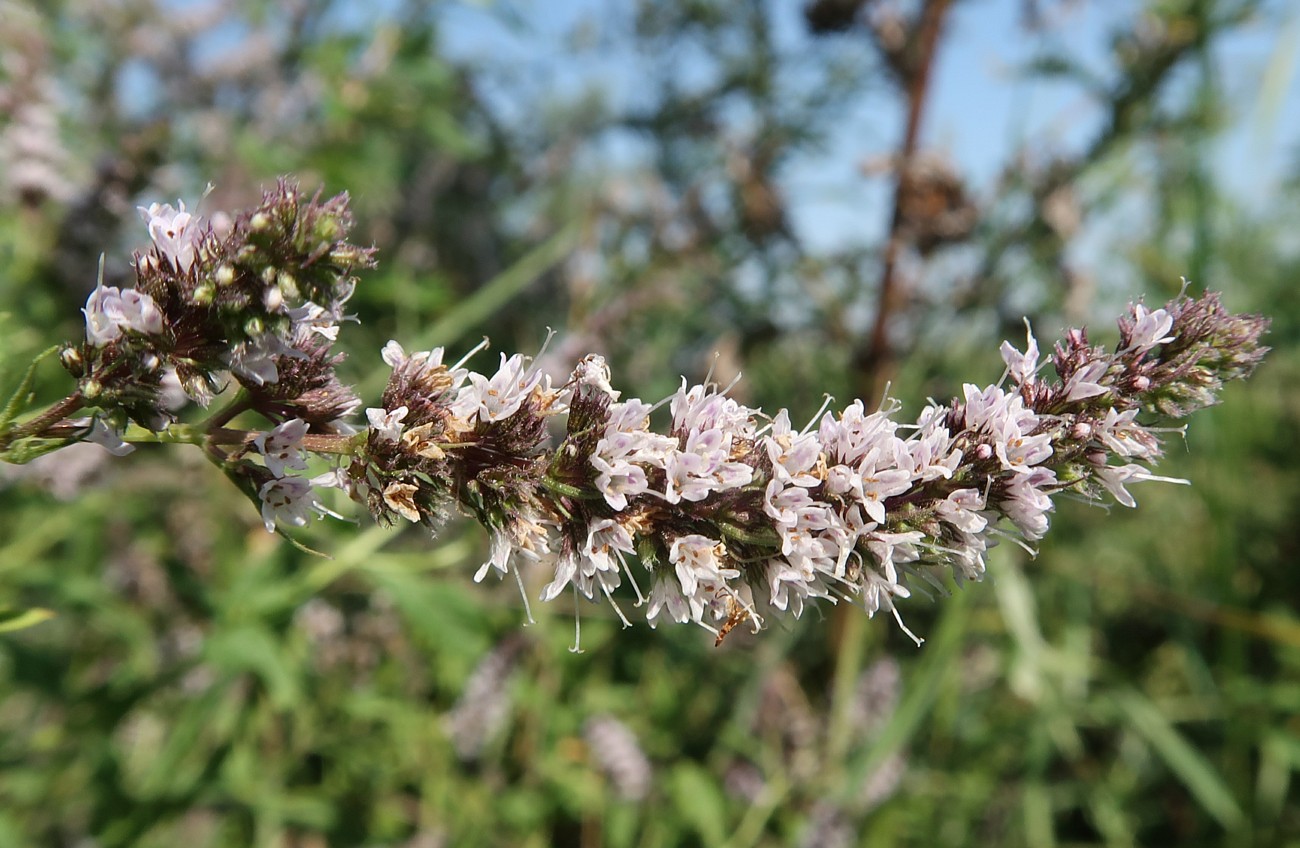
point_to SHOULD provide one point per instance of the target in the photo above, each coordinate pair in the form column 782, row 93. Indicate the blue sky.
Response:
column 979, row 110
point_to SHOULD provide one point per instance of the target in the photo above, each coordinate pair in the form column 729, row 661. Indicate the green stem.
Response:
column 313, row 442
column 567, row 490
column 765, row 538
column 45, row 421
column 239, row 403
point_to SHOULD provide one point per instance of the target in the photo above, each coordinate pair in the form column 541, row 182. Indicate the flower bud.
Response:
column 273, row 299
column 203, row 294
column 268, row 274
column 260, row 222
column 288, row 284
column 225, row 276
column 327, row 228
column 254, row 326
column 92, row 389
column 73, row 361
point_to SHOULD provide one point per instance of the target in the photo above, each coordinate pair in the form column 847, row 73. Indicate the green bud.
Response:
column 203, row 294
column 225, row 275
column 268, row 275
column 327, row 228
column 260, row 222
column 92, row 389
column 254, row 326
column 288, row 285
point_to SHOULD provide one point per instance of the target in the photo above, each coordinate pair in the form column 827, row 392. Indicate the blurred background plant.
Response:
column 677, row 185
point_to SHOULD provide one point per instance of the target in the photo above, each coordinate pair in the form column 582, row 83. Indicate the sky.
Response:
column 979, row 110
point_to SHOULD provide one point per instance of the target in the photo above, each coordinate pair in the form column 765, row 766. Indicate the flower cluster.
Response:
column 732, row 512
column 255, row 300
column 718, row 514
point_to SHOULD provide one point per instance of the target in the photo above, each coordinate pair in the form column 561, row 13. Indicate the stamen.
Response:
column 613, row 603
column 483, row 345
column 827, row 400
column 523, row 594
column 577, row 625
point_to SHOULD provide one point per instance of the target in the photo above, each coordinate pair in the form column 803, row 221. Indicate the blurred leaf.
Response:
column 253, row 650
column 16, row 619
column 1200, row 778
column 20, row 397
column 697, row 797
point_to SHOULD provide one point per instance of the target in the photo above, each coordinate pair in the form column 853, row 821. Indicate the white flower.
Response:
column 501, row 395
column 1027, row 503
column 109, row 438
column 878, row 481
column 313, row 318
column 104, row 317
column 697, row 562
column 625, row 444
column 1116, row 477
column 701, row 408
column 788, row 586
column 1150, row 327
column 140, row 313
column 893, row 548
column 666, row 595
column 291, row 500
column 175, row 232
column 704, row 465
column 1121, row 433
column 930, row 455
column 255, row 360
column 607, row 542
column 280, row 448
column 1018, row 452
column 793, row 455
column 288, row 500
column 109, row 311
column 385, row 424
column 393, row 354
column 499, row 549
column 850, row 437
column 527, row 537
column 961, row 509
column 592, row 370
column 1022, row 366
column 619, row 480
column 1084, row 384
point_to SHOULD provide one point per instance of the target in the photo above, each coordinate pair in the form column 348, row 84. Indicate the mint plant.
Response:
column 724, row 515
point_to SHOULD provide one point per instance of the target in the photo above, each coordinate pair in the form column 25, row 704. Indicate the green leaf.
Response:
column 1183, row 760
column 16, row 619
column 20, row 396
column 697, row 798
column 922, row 688
column 254, row 650
column 492, row 295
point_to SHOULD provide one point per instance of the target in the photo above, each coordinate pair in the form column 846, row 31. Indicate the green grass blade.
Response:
column 1183, row 760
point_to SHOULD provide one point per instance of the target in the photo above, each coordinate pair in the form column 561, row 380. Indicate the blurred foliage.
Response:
column 202, row 683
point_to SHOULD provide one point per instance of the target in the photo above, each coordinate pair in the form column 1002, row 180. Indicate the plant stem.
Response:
column 45, row 421
column 874, row 361
column 313, row 442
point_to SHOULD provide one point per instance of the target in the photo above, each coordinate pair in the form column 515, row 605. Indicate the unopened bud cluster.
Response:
column 713, row 512
column 255, row 300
